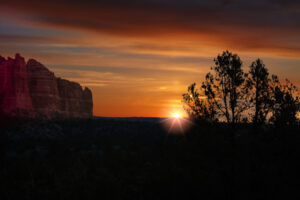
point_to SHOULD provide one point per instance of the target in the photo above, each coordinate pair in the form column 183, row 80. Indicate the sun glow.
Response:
column 177, row 122
column 177, row 115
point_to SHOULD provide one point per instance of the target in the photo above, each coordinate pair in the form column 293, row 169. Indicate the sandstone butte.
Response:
column 30, row 90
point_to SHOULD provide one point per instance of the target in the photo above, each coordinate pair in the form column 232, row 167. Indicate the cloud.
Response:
column 244, row 25
column 10, row 38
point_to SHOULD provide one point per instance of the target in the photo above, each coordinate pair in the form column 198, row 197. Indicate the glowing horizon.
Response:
column 138, row 58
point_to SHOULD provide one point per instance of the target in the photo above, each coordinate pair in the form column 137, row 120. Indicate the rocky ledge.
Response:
column 30, row 90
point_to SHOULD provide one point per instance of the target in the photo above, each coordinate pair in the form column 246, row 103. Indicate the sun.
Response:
column 176, row 115
column 176, row 123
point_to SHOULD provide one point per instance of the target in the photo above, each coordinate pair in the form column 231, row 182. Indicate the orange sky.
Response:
column 139, row 57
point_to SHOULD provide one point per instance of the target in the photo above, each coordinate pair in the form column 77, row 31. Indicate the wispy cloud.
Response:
column 254, row 26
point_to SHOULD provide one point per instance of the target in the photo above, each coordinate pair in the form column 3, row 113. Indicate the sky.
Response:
column 138, row 57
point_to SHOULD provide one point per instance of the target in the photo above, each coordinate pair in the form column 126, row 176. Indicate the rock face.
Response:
column 30, row 90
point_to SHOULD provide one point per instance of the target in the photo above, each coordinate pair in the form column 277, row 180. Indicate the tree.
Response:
column 199, row 108
column 258, row 83
column 225, row 88
column 227, row 92
column 285, row 102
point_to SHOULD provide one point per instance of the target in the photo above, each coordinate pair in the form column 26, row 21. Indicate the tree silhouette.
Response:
column 258, row 83
column 227, row 93
column 226, row 87
column 285, row 102
column 199, row 108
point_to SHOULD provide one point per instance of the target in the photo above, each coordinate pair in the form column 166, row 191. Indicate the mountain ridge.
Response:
column 30, row 90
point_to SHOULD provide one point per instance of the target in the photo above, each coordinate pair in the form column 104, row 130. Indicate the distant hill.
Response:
column 134, row 119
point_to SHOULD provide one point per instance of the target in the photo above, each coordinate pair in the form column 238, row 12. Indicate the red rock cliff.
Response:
column 31, row 90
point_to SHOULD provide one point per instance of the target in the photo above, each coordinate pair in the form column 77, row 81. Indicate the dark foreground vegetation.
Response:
column 113, row 159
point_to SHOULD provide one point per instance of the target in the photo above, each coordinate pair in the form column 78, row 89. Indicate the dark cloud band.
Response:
column 261, row 24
